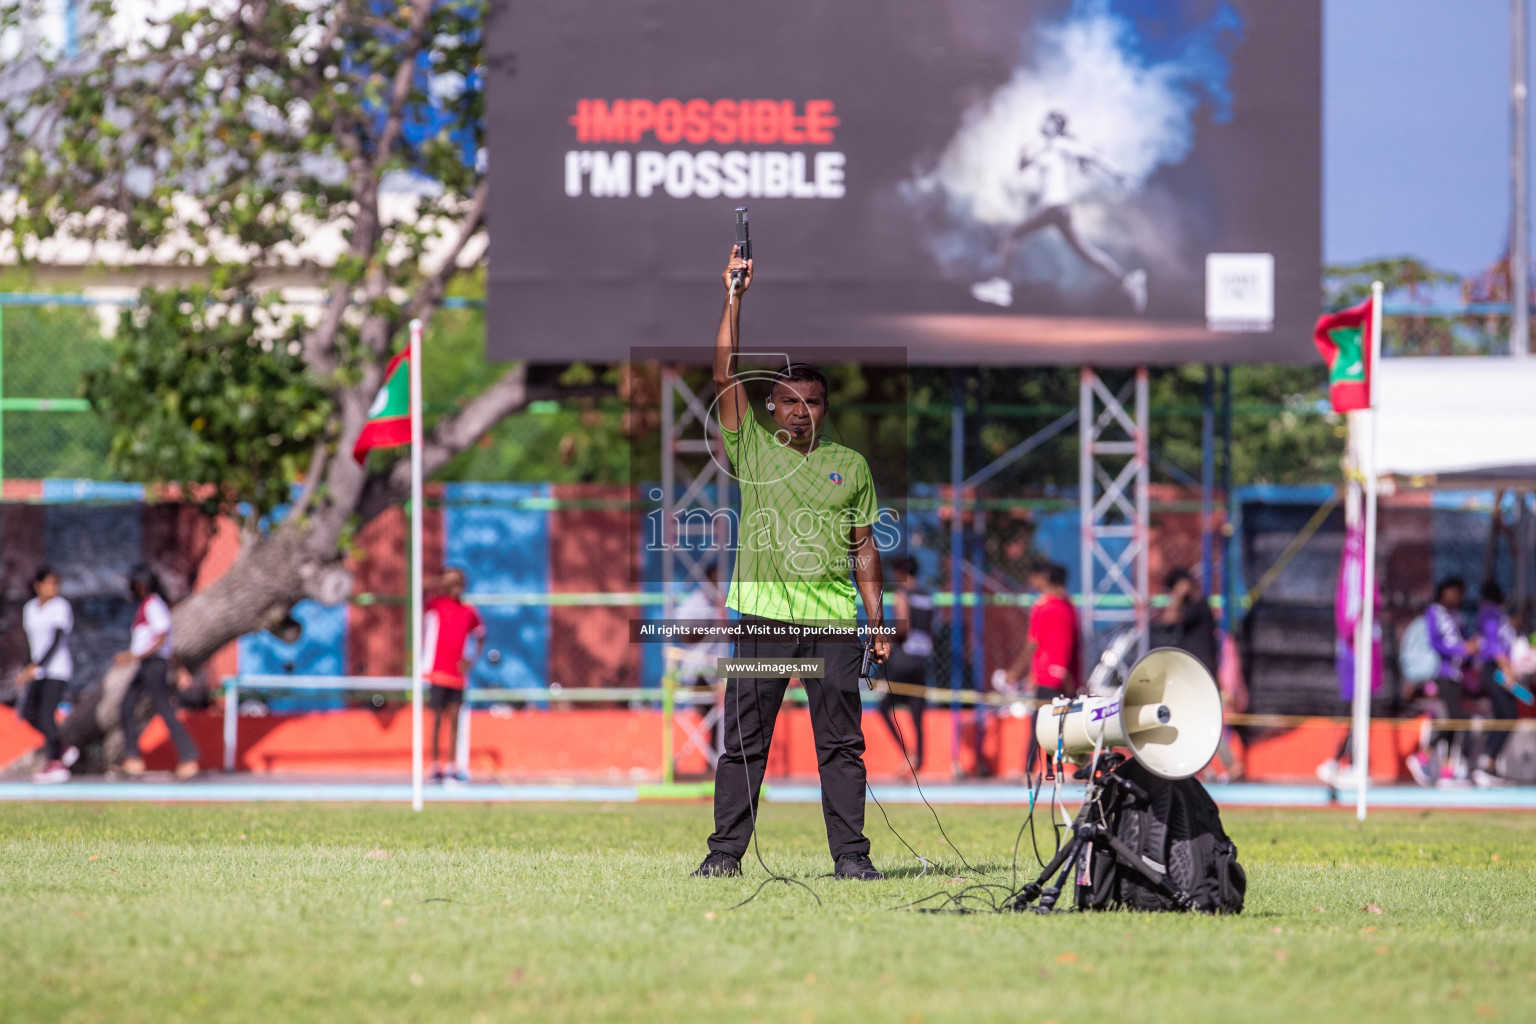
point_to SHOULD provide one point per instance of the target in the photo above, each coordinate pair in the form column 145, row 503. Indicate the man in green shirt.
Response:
column 805, row 536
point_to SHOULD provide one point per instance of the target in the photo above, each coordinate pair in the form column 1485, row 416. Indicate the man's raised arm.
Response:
column 733, row 397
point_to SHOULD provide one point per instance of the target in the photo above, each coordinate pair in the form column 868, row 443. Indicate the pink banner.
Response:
column 1346, row 612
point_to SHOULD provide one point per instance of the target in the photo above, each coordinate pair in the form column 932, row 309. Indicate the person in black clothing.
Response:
column 47, row 621
column 1187, row 619
column 908, row 664
column 149, row 651
column 780, row 583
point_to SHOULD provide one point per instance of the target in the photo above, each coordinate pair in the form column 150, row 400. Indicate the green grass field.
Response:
column 584, row 913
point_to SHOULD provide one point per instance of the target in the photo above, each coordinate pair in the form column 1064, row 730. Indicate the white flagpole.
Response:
column 1365, row 627
column 416, row 592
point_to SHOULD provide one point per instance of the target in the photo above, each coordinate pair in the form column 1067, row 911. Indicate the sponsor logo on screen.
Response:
column 1240, row 291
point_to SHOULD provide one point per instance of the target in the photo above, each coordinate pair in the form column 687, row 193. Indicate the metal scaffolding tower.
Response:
column 695, row 533
column 695, row 498
column 1113, row 474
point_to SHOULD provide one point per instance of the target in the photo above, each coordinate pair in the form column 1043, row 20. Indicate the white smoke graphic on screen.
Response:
column 1135, row 113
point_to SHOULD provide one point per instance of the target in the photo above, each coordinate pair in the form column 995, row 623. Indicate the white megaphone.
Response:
column 1168, row 714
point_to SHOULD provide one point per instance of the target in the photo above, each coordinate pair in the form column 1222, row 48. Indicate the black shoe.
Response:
column 856, row 865
column 718, row 864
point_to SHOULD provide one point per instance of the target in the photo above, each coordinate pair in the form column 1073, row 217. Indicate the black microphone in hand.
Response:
column 743, row 246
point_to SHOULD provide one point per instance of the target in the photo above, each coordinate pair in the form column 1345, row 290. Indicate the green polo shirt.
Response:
column 797, row 514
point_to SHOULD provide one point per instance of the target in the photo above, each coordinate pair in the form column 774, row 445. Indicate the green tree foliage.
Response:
column 1345, row 284
column 1283, row 430
column 253, row 145
column 1410, row 280
column 215, row 399
column 231, row 139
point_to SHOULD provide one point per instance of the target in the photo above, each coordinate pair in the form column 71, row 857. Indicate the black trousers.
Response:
column 752, row 708
column 1503, row 708
column 151, row 681
column 39, row 709
column 1455, row 707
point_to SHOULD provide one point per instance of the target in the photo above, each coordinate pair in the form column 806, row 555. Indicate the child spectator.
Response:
column 449, row 625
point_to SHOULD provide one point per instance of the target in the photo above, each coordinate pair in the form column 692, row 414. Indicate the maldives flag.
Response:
column 389, row 418
column 1344, row 340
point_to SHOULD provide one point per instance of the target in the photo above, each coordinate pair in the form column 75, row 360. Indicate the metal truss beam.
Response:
column 1114, row 469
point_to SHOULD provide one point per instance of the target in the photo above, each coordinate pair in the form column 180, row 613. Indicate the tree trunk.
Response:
column 268, row 578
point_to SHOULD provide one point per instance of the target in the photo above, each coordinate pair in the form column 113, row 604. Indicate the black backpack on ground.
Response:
column 1161, row 847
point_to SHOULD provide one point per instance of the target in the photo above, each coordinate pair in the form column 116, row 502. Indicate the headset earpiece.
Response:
column 770, row 405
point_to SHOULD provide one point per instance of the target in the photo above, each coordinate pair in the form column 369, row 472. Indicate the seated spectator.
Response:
column 1496, row 635
column 1442, row 694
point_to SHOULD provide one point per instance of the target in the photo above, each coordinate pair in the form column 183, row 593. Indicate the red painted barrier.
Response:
column 622, row 744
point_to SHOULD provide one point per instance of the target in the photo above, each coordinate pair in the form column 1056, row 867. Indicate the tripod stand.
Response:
column 1090, row 831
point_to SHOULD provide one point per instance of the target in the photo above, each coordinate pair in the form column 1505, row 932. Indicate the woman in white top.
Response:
column 47, row 620
column 150, row 649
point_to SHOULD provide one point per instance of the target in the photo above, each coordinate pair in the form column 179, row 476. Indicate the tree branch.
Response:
column 312, row 481
column 400, row 92
column 430, row 292
column 451, row 436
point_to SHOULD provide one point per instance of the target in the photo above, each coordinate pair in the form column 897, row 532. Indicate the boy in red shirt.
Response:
column 1050, row 653
column 450, row 624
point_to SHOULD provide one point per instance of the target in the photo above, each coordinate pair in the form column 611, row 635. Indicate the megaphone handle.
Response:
column 1061, row 733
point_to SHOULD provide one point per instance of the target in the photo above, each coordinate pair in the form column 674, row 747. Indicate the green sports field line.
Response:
column 679, row 791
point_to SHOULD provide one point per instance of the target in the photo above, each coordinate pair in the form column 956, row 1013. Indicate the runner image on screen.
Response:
column 1054, row 169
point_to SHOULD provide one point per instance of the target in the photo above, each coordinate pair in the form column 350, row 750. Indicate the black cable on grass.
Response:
column 954, row 903
column 1029, row 820
column 924, row 861
column 752, row 811
column 902, row 742
column 1034, row 840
